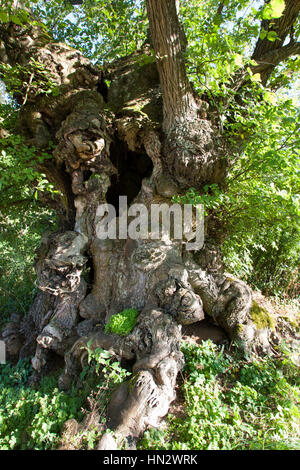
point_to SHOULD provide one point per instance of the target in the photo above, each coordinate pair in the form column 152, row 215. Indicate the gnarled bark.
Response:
column 108, row 143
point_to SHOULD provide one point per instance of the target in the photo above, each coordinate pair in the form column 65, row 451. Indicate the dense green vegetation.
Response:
column 230, row 403
column 33, row 419
column 23, row 218
column 233, row 404
column 259, row 208
column 20, row 235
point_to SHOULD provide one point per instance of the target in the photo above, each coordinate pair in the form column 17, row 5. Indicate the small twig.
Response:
column 27, row 89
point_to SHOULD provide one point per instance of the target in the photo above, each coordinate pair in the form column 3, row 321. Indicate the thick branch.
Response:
column 265, row 49
column 274, row 57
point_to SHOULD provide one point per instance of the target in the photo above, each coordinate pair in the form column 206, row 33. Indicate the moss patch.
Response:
column 122, row 323
column 292, row 322
column 261, row 317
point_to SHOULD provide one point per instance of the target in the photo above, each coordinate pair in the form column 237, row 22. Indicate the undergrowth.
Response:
column 33, row 419
column 233, row 404
column 20, row 236
column 230, row 403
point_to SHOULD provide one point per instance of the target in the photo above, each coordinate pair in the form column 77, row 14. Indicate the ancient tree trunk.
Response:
column 193, row 152
column 178, row 100
column 112, row 142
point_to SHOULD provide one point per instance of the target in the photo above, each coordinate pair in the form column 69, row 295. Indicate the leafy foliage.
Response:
column 101, row 361
column 273, row 9
column 8, row 13
column 20, row 234
column 221, row 40
column 259, row 207
column 263, row 208
column 98, row 381
column 233, row 404
column 101, row 30
column 35, row 76
column 22, row 219
column 32, row 419
column 24, row 184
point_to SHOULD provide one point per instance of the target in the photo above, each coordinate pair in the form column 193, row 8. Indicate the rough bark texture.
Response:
column 111, row 142
column 194, row 153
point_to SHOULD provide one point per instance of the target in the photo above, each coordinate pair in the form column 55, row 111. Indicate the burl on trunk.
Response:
column 147, row 136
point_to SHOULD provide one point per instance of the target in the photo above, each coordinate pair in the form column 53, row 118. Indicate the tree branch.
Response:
column 269, row 51
column 274, row 57
column 9, row 204
column 220, row 8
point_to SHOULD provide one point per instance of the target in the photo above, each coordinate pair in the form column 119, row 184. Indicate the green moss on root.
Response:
column 261, row 317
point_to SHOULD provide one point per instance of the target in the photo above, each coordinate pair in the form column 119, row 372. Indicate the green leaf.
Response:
column 263, row 34
column 15, row 19
column 3, row 17
column 274, row 9
column 272, row 36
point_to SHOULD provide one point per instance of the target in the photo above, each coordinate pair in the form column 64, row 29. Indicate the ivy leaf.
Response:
column 263, row 34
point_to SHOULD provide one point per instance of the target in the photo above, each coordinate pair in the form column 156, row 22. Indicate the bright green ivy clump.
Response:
column 233, row 404
column 122, row 323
